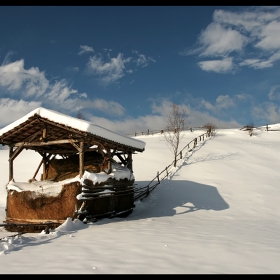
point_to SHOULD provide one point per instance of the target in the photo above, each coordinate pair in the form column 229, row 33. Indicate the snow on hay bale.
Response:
column 28, row 205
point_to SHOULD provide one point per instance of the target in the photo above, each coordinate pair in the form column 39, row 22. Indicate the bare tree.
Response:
column 175, row 125
column 80, row 116
column 250, row 128
column 210, row 127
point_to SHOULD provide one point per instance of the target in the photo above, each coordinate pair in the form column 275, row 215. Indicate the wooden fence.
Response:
column 160, row 131
column 142, row 192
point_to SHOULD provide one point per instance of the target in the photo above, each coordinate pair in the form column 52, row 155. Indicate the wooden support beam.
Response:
column 11, row 170
column 45, row 162
column 56, row 142
column 129, row 158
column 124, row 162
column 37, row 170
column 75, row 145
column 44, row 167
column 16, row 153
column 81, row 159
column 44, row 134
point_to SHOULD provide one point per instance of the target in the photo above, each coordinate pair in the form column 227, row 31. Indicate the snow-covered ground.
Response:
column 218, row 212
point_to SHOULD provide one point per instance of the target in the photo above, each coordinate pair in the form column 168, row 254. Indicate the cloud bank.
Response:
column 248, row 38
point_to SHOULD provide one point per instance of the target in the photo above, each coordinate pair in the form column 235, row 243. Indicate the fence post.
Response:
column 180, row 154
column 166, row 171
column 194, row 142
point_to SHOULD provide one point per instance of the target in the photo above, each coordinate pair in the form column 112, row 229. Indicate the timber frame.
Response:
column 50, row 138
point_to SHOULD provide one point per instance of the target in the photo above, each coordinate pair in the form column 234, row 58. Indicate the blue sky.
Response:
column 122, row 67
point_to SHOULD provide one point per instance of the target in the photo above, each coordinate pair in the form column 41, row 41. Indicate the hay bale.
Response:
column 28, row 205
column 61, row 169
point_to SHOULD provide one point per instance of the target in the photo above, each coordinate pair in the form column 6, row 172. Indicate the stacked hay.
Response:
column 33, row 206
column 61, row 169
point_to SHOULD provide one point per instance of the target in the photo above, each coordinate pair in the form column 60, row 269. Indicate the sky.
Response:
column 123, row 66
column 216, row 213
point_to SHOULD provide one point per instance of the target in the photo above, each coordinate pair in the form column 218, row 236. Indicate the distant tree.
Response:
column 210, row 127
column 250, row 128
column 176, row 120
column 80, row 116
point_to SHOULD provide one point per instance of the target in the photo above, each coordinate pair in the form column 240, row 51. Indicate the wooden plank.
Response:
column 81, row 159
column 38, row 144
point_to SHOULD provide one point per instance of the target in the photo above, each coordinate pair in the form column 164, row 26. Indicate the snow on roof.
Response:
column 79, row 124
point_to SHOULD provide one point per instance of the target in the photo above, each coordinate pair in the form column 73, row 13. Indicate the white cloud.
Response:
column 142, row 60
column 256, row 63
column 31, row 84
column 274, row 93
column 268, row 112
column 131, row 125
column 224, row 101
column 219, row 66
column 85, row 49
column 243, row 97
column 7, row 57
column 218, row 40
column 269, row 36
column 11, row 109
column 13, row 76
column 108, row 72
column 248, row 28
column 207, row 105
column 72, row 69
column 102, row 105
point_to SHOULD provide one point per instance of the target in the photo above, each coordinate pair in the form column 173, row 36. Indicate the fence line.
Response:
column 161, row 131
column 142, row 192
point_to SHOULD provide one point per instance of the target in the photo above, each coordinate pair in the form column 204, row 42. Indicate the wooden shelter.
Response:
column 69, row 147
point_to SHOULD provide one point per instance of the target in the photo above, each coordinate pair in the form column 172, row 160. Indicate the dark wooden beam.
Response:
column 11, row 171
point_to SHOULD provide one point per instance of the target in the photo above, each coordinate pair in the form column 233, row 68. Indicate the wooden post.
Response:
column 44, row 136
column 81, row 159
column 11, row 170
column 180, row 154
column 33, row 178
column 44, row 167
column 129, row 164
